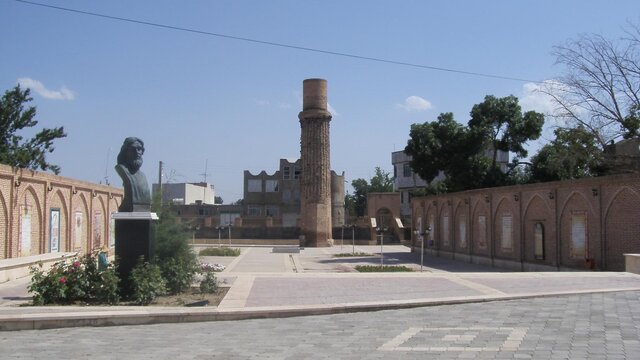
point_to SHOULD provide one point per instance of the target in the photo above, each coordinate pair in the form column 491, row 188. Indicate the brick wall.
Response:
column 30, row 200
column 575, row 223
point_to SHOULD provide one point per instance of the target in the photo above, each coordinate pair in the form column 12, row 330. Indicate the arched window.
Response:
column 538, row 239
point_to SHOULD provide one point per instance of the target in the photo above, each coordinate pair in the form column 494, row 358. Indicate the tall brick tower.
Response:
column 315, row 184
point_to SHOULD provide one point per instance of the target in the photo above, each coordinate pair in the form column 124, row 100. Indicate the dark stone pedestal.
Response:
column 135, row 238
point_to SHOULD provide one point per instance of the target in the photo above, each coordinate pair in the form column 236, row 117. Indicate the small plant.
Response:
column 379, row 268
column 357, row 254
column 179, row 273
column 147, row 282
column 209, row 283
column 74, row 280
column 220, row 251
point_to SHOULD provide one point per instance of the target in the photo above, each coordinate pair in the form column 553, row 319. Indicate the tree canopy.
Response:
column 468, row 155
column 573, row 154
column 14, row 149
column 380, row 182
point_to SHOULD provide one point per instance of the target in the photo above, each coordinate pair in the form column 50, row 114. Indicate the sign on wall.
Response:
column 112, row 231
column 54, row 230
column 25, row 231
column 77, row 231
column 578, row 235
column 97, row 228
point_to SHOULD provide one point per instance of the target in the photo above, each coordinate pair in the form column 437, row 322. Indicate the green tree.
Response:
column 573, row 154
column 380, row 182
column 497, row 124
column 218, row 200
column 14, row 149
column 501, row 122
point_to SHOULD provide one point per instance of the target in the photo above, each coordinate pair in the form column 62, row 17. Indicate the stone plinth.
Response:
column 135, row 238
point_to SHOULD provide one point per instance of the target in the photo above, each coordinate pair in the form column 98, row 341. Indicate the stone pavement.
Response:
column 268, row 284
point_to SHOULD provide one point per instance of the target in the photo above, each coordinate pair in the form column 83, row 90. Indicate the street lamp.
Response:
column 353, row 238
column 380, row 231
column 420, row 235
column 229, row 226
column 219, row 228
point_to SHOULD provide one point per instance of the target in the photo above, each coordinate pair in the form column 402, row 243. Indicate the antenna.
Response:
column 106, row 167
column 206, row 163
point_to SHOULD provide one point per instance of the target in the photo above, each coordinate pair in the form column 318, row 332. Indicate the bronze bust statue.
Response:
column 136, row 188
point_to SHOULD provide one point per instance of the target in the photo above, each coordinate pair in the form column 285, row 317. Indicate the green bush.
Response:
column 209, row 283
column 147, row 282
column 178, row 263
column 379, row 268
column 358, row 254
column 219, row 251
column 179, row 273
column 74, row 280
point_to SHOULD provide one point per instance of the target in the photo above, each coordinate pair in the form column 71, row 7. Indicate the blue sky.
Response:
column 231, row 104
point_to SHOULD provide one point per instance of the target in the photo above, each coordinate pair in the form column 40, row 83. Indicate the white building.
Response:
column 187, row 193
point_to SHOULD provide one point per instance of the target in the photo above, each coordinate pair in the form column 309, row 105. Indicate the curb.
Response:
column 129, row 316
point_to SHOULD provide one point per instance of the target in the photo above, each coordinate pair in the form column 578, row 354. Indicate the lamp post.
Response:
column 353, row 238
column 219, row 228
column 229, row 234
column 381, row 231
column 420, row 235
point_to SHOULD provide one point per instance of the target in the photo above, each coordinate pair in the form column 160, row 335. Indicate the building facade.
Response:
column 45, row 213
column 186, row 193
column 278, row 196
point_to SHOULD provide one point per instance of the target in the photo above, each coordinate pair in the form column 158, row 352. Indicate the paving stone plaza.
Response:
column 472, row 312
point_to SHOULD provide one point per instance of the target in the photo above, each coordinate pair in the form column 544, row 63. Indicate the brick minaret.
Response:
column 315, row 184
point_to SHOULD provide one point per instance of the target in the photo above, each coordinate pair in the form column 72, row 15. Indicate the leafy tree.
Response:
column 501, row 122
column 218, row 200
column 16, row 151
column 600, row 89
column 380, row 182
column 573, row 154
column 497, row 124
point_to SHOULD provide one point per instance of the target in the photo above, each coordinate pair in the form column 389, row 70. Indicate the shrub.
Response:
column 209, row 283
column 379, row 268
column 179, row 273
column 358, row 254
column 147, row 282
column 220, row 251
column 74, row 280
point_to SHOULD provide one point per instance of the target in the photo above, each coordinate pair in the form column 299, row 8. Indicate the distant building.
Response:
column 277, row 196
column 406, row 181
column 623, row 156
column 187, row 193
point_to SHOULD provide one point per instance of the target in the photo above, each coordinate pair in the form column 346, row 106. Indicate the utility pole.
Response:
column 160, row 181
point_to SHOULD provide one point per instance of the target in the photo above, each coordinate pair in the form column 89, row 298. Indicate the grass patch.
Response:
column 378, row 268
column 220, row 251
column 341, row 255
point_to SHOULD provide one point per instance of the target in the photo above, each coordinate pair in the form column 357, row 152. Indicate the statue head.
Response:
column 131, row 154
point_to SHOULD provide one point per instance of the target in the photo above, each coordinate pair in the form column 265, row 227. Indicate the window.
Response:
column 286, row 195
column 271, row 185
column 578, row 235
column 395, row 172
column 506, row 241
column 272, row 210
column 406, row 170
column 254, row 185
column 254, row 210
column 538, row 240
column 286, row 173
column 297, row 173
